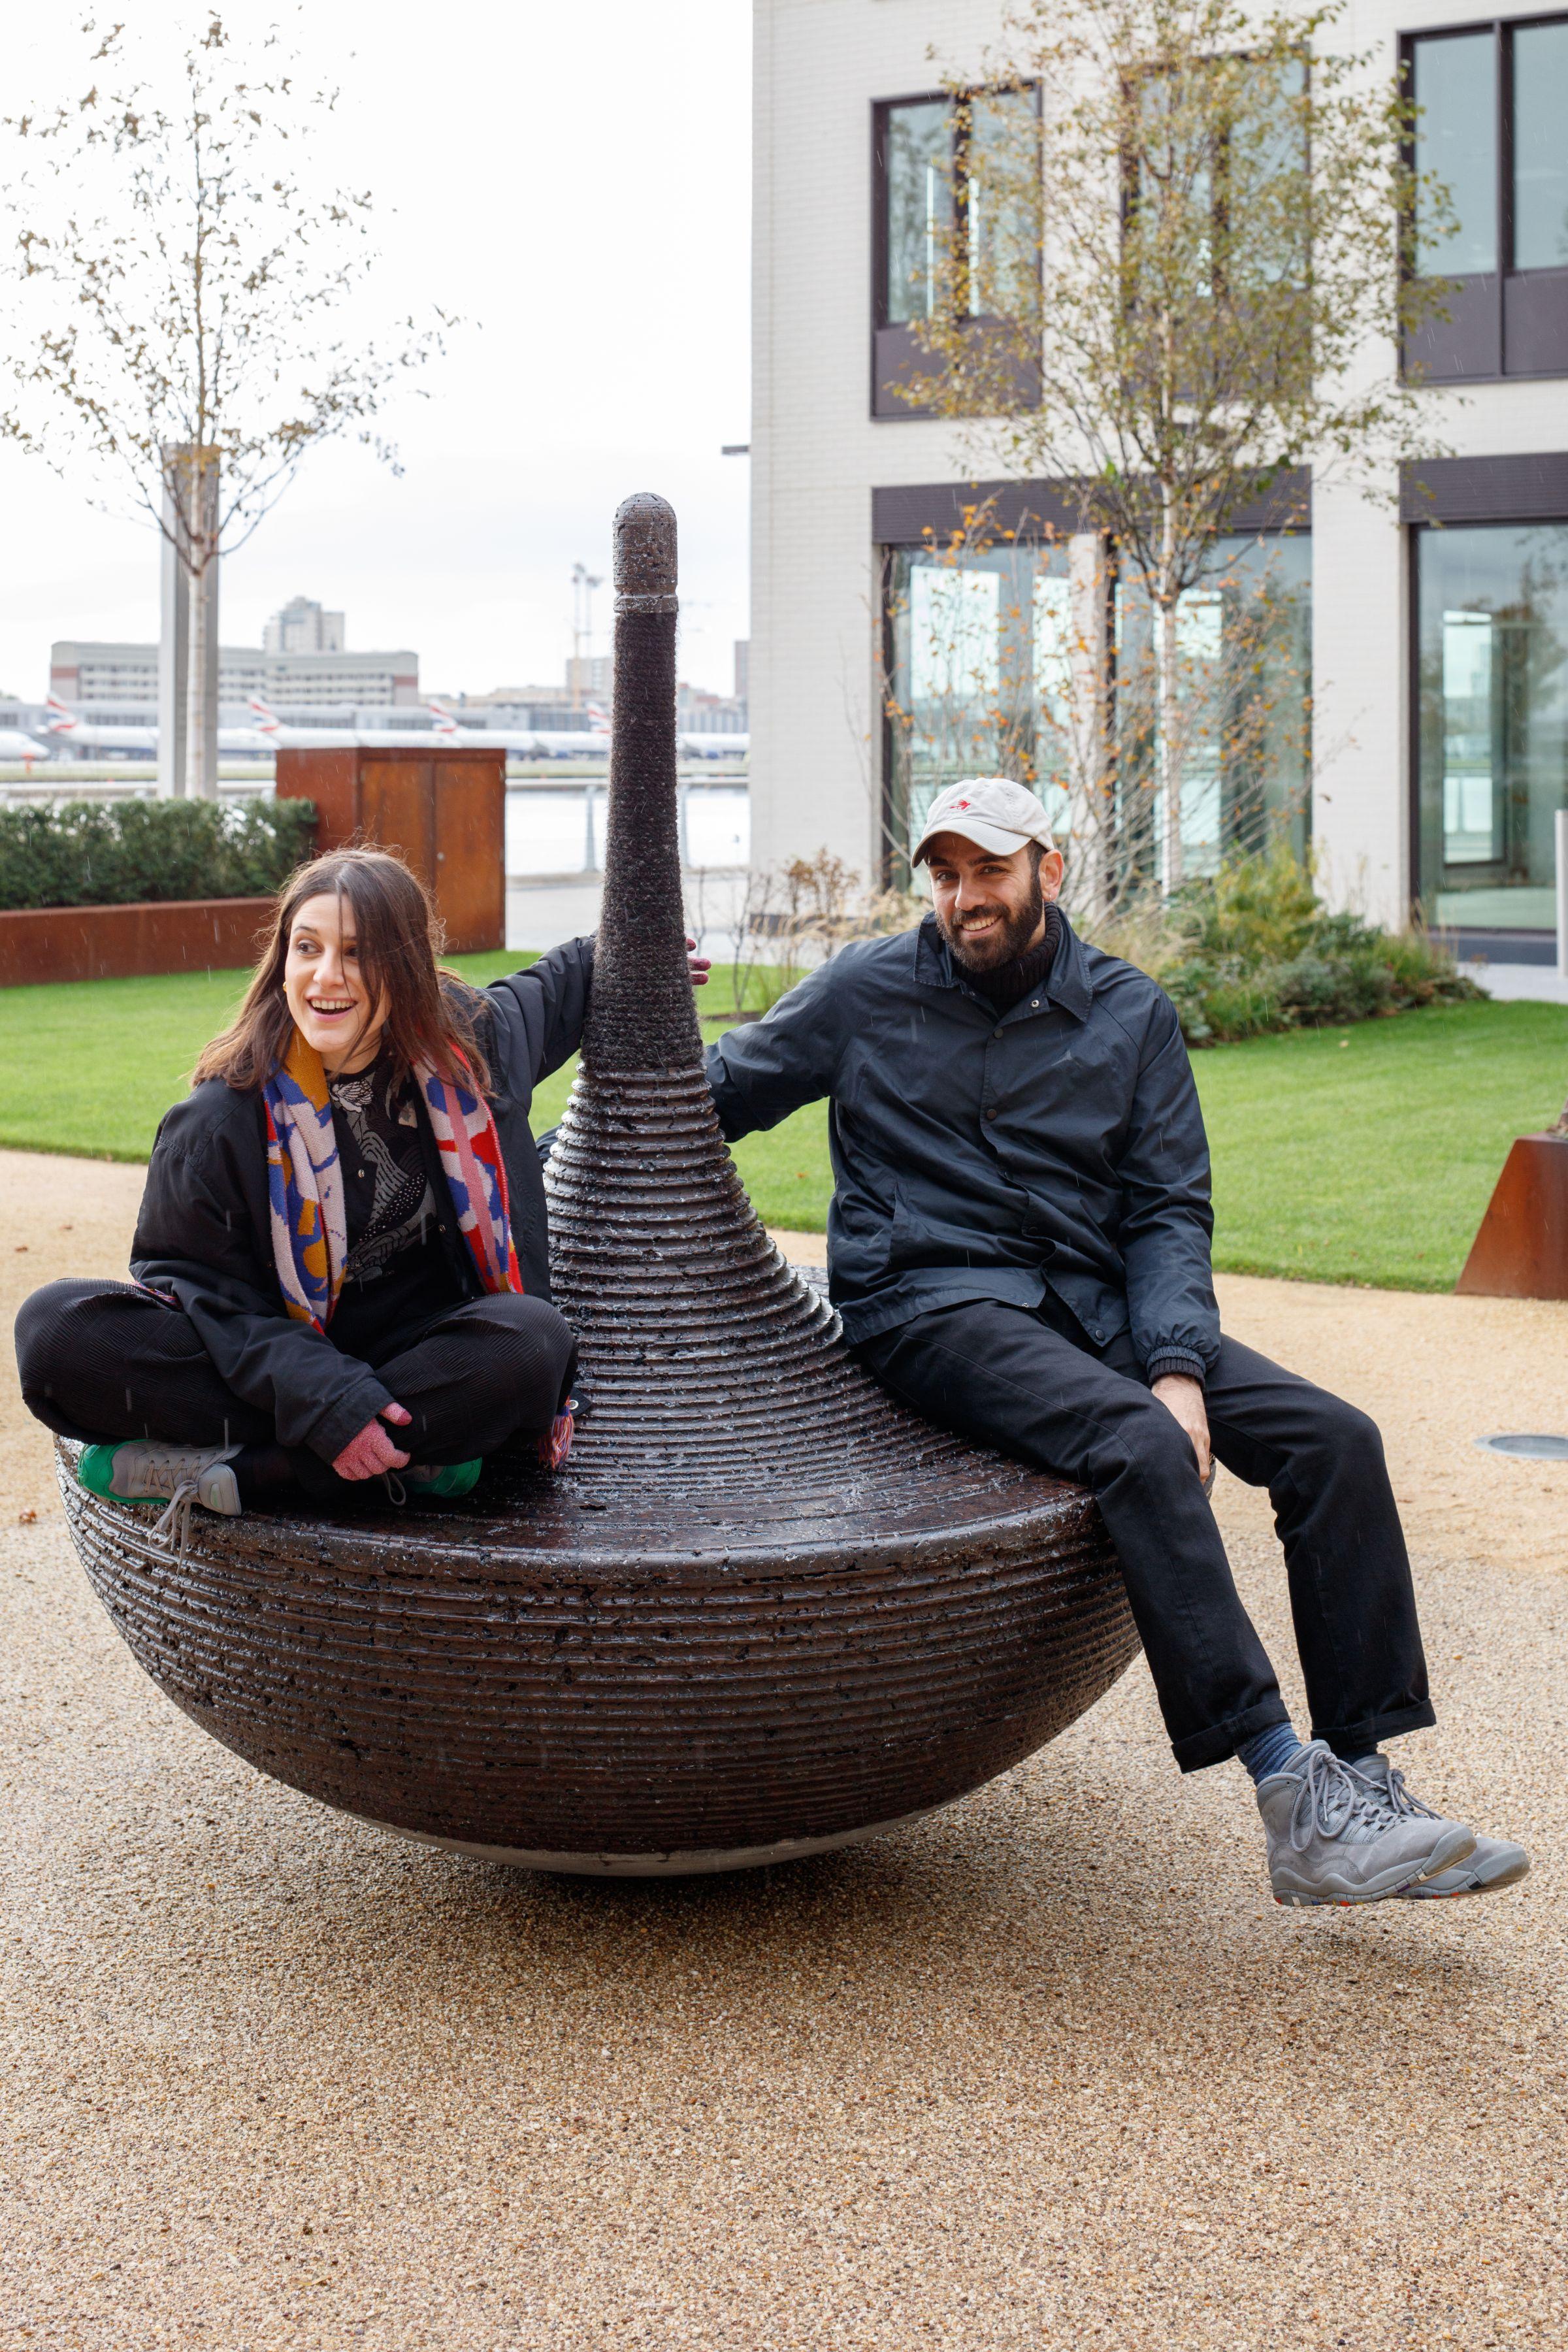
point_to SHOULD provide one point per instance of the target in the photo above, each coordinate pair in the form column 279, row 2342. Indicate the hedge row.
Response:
column 115, row 853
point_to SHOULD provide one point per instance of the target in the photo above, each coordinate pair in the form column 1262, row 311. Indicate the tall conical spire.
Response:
column 643, row 1016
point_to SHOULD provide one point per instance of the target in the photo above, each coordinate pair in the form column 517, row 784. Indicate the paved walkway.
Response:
column 1048, row 2071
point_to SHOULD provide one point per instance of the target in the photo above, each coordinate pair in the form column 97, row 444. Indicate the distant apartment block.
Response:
column 302, row 627
column 302, row 662
column 699, row 712
column 590, row 676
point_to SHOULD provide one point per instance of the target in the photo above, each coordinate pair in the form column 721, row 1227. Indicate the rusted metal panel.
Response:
column 153, row 935
column 1521, row 1249
column 443, row 807
column 468, row 869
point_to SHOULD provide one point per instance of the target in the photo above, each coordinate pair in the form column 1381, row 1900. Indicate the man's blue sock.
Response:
column 1269, row 1751
column 1354, row 1752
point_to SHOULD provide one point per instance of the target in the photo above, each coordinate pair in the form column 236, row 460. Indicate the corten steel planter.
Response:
column 1521, row 1249
column 763, row 1610
column 149, row 935
column 441, row 806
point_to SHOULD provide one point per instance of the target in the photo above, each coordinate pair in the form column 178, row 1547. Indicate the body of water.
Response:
column 559, row 829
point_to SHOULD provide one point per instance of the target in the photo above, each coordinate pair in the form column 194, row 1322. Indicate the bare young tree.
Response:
column 1174, row 263
column 175, row 277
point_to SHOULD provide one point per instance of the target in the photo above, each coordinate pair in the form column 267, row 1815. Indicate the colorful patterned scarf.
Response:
column 305, row 1192
column 309, row 1223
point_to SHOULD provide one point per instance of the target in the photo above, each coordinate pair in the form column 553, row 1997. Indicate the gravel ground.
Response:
column 1048, row 2071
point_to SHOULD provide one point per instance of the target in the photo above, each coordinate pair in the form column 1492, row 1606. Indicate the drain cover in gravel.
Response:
column 1534, row 1448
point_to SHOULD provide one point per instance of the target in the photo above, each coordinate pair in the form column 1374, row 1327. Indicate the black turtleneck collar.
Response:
column 1011, row 982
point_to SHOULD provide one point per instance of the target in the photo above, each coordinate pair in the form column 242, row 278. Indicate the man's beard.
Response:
column 1002, row 943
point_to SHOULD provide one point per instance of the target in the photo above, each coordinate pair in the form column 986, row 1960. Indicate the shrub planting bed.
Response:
column 1252, row 950
column 124, row 852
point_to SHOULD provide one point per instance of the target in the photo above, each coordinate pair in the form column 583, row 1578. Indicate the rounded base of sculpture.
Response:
column 702, row 1864
column 590, row 1679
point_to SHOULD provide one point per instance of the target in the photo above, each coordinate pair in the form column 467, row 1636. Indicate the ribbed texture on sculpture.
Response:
column 763, row 1609
column 710, row 1365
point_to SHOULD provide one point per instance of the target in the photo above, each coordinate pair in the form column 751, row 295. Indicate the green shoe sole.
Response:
column 453, row 1478
column 95, row 1471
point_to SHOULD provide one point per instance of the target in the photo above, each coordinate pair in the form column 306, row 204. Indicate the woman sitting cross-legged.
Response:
column 341, row 1265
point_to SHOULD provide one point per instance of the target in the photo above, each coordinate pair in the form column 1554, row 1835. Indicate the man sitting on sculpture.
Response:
column 341, row 1267
column 1019, row 1246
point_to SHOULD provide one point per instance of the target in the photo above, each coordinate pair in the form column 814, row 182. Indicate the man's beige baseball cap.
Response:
column 991, row 811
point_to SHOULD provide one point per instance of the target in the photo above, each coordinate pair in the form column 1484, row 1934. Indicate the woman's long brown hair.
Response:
column 430, row 1010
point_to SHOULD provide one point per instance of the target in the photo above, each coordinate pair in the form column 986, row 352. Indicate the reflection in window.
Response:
column 1541, row 146
column 1493, row 682
column 919, row 196
column 1000, row 186
column 1471, row 832
column 975, row 154
column 1455, row 139
column 964, row 679
column 1244, row 640
column 992, row 667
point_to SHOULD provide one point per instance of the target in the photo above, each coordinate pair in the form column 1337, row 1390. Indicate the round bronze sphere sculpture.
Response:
column 763, row 1611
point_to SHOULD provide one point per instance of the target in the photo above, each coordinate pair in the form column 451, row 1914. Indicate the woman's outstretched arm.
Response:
column 538, row 1015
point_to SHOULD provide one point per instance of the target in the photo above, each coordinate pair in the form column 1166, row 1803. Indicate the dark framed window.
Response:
column 1490, row 614
column 990, row 649
column 939, row 165
column 1493, row 101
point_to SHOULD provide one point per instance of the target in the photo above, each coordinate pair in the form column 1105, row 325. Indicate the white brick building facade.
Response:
column 819, row 453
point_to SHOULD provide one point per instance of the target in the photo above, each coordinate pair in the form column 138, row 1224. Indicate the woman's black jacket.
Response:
column 204, row 1235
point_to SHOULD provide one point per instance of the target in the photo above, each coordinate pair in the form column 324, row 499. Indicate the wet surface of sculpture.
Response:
column 763, row 1609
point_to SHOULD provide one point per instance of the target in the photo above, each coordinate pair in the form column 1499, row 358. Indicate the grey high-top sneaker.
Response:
column 1493, row 1863
column 1334, row 1837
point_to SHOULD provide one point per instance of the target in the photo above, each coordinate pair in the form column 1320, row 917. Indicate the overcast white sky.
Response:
column 574, row 181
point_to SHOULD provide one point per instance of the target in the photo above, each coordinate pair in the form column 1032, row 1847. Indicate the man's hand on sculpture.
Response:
column 372, row 1452
column 1185, row 1398
column 698, row 966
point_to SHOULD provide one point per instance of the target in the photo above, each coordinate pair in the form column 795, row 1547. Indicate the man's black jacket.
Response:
column 983, row 1157
column 204, row 1235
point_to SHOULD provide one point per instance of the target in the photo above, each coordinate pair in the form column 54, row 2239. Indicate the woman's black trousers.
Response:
column 102, row 1361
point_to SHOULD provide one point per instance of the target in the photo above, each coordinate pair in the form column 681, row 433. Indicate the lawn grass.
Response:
column 1369, row 1154
column 1340, row 1155
column 90, row 1066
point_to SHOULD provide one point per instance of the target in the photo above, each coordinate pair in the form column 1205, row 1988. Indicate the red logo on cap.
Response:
column 960, row 804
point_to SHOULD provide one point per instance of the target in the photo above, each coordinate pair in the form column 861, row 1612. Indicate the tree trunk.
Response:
column 174, row 626
column 201, row 675
column 200, row 784
column 1093, row 849
column 1168, row 710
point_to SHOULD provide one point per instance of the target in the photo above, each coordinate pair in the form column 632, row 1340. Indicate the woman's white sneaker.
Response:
column 1336, row 1837
column 147, row 1470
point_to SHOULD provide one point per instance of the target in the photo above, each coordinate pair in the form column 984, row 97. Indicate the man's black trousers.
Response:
column 1028, row 1382
column 101, row 1360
